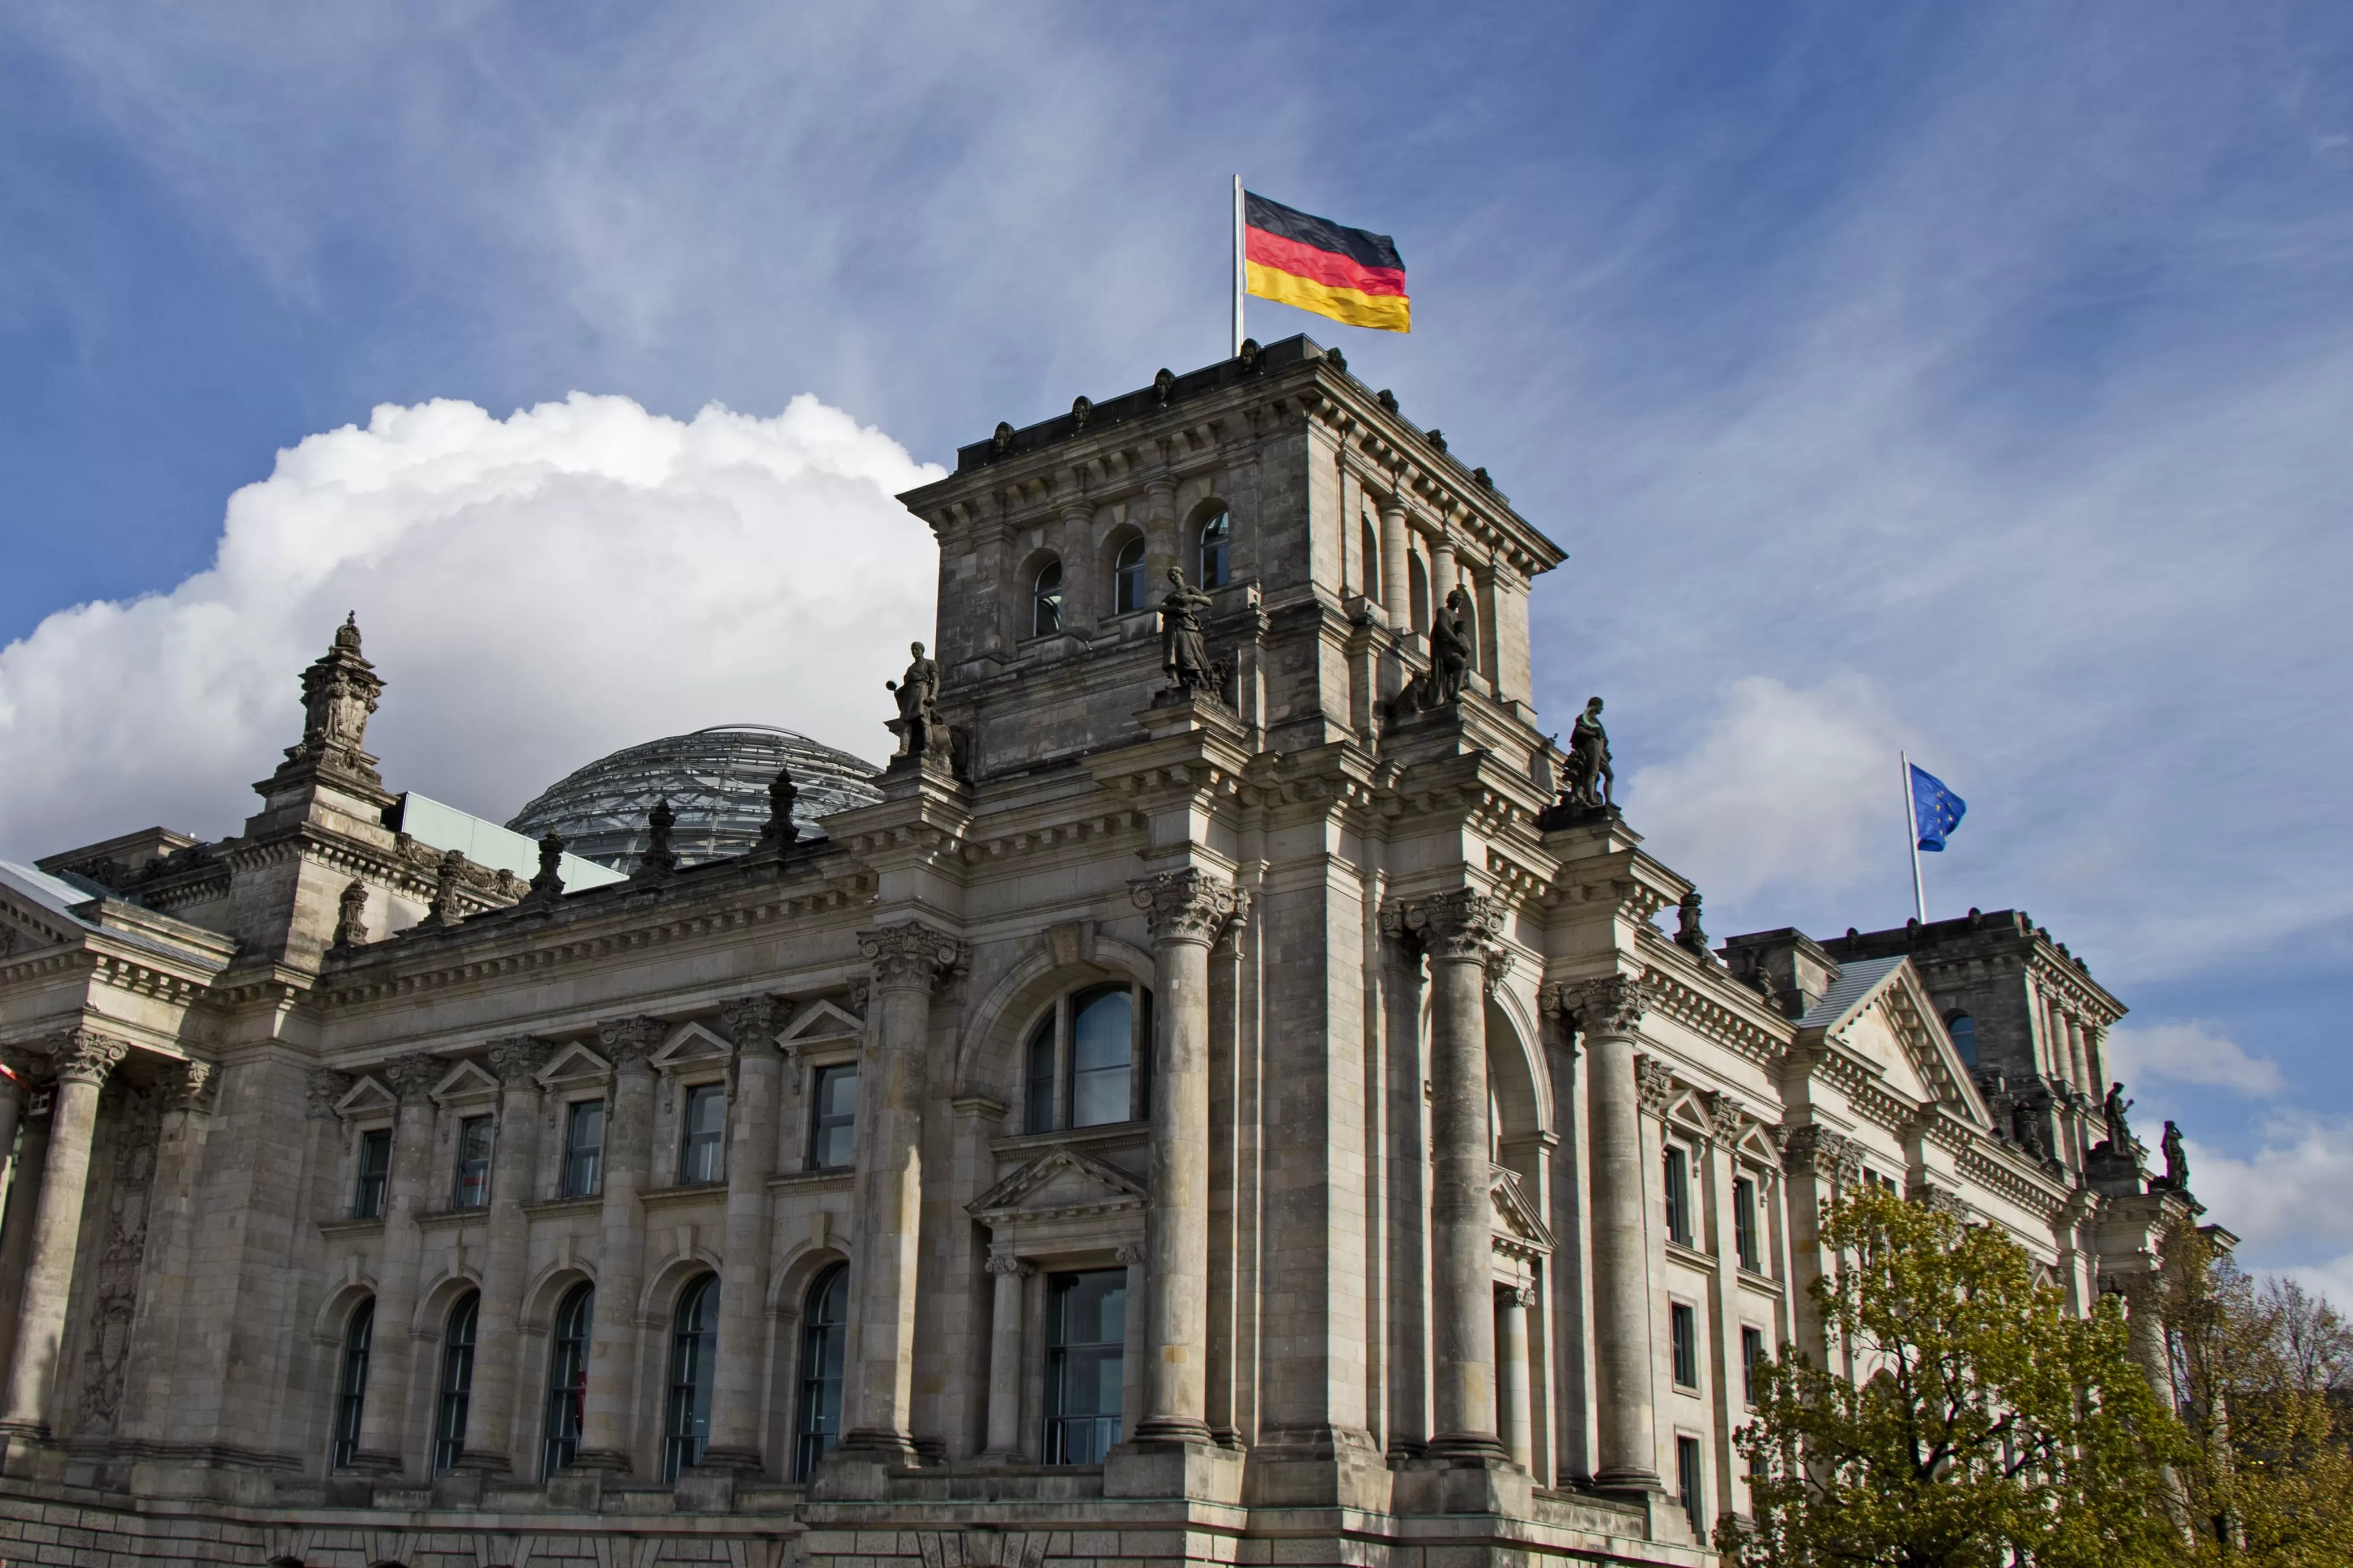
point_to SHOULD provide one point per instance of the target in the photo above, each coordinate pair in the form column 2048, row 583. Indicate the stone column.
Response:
column 1187, row 910
column 1005, row 1359
column 1159, row 534
column 1397, row 593
column 908, row 963
column 16, row 1228
column 160, row 1314
column 491, row 1446
column 738, row 1410
column 628, row 1154
column 1442, row 576
column 1459, row 931
column 383, row 1419
column 1607, row 1011
column 81, row 1062
column 1511, row 1305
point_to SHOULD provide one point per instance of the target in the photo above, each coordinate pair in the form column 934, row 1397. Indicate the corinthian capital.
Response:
column 518, row 1058
column 1460, row 924
column 324, row 1087
column 85, row 1056
column 911, row 957
column 1612, row 1004
column 1818, row 1151
column 627, row 1042
column 1654, row 1084
column 413, row 1077
column 191, row 1087
column 1190, row 905
column 751, row 1021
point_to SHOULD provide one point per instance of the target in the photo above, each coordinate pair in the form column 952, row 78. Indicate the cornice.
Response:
column 1679, row 995
column 1993, row 1169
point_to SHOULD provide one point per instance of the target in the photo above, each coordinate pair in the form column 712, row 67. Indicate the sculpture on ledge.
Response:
column 1183, row 653
column 1450, row 650
column 1590, row 778
column 2120, row 1138
column 779, row 832
column 659, row 859
column 1688, row 935
column 351, row 918
column 921, row 731
column 2176, row 1161
column 548, row 886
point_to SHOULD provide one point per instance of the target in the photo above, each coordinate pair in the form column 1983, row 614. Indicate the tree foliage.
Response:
column 2260, row 1376
column 1972, row 1421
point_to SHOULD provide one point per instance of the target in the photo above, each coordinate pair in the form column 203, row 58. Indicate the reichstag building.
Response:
column 1228, row 1088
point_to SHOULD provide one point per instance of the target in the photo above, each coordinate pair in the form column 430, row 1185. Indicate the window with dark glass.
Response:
column 1370, row 545
column 1678, row 1186
column 567, row 1379
column 351, row 1384
column 1086, row 1329
column 1687, row 1482
column 1127, row 578
column 1744, row 1221
column 703, row 1129
column 1752, row 1351
column 693, row 1345
column 825, row 1337
column 375, row 1170
column 1046, row 601
column 1216, row 560
column 473, row 1183
column 583, row 1147
column 1083, row 1065
column 1682, row 1327
column 1963, row 1030
column 457, row 1384
column 833, row 1118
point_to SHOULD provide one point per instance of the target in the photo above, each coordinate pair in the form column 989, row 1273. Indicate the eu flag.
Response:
column 1936, row 810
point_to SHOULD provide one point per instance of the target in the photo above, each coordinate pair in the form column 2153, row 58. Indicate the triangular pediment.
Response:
column 366, row 1098
column 692, row 1043
column 820, row 1020
column 1516, row 1217
column 575, row 1063
column 25, row 927
column 465, row 1081
column 1057, row 1182
column 1895, row 1029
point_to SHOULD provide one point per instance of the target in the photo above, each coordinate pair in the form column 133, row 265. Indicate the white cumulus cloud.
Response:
column 2286, row 1201
column 536, row 591
column 2194, row 1053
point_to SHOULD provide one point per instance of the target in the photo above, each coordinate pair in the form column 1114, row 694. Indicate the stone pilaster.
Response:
column 1007, row 1275
column 628, row 1044
column 909, row 961
column 384, row 1420
column 1459, row 933
column 491, row 1445
column 161, row 1310
column 81, row 1062
column 1607, row 1012
column 1187, row 910
column 737, row 1407
column 1513, row 1371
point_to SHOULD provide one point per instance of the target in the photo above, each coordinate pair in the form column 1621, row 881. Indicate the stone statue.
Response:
column 1449, row 649
column 2177, row 1161
column 659, row 859
column 548, row 886
column 2120, row 1138
column 1183, row 654
column 2024, row 1128
column 443, row 911
column 351, row 918
column 1590, row 777
column 919, row 727
column 780, row 829
column 1688, row 935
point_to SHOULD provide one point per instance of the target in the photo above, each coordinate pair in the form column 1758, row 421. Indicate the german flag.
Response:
column 1348, row 274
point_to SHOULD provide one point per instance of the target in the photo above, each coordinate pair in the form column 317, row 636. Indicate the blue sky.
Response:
column 1969, row 379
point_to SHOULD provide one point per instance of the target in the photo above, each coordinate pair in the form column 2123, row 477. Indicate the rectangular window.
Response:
column 705, row 1124
column 1086, row 1335
column 1683, row 1325
column 1744, row 1221
column 375, row 1169
column 833, row 1118
column 1687, row 1481
column 583, row 1147
column 1752, row 1351
column 1678, row 1182
column 473, row 1189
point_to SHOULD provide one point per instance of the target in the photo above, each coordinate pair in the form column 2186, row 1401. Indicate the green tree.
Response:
column 2259, row 1375
column 1973, row 1422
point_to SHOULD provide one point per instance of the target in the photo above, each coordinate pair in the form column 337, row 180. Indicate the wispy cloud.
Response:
column 2192, row 1054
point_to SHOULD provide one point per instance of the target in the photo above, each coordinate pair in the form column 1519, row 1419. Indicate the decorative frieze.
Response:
column 1188, row 904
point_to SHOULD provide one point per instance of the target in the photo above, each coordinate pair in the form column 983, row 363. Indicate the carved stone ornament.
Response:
column 1655, row 1085
column 751, row 1021
column 351, row 916
column 780, row 830
column 1132, row 1252
column 1460, row 924
column 1082, row 411
column 659, row 859
column 1499, row 969
column 1001, row 442
column 1521, row 1296
column 1001, row 1266
column 1726, row 1116
column 911, row 957
column 548, row 885
column 1817, row 1150
column 113, row 1273
column 412, row 1078
column 627, row 1042
column 1939, row 1200
column 85, row 1056
column 339, row 692
column 518, row 1058
column 325, row 1087
column 191, row 1088
column 449, row 873
column 1613, row 1004
column 1187, row 905
column 1163, row 386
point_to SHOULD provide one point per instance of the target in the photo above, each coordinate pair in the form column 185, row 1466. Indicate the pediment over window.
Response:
column 1517, row 1229
column 575, row 1063
column 366, row 1097
column 820, row 1020
column 465, row 1081
column 691, row 1044
column 1059, row 1183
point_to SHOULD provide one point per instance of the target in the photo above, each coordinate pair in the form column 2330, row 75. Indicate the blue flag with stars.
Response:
column 1936, row 810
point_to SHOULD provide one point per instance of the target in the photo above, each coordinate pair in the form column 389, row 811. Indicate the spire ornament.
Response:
column 339, row 692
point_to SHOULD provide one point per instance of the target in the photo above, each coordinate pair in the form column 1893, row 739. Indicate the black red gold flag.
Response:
column 1351, row 275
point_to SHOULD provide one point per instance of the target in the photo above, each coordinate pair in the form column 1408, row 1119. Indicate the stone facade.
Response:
column 1281, row 1133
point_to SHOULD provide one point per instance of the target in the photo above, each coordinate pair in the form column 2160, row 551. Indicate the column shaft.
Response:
column 383, row 1419
column 16, row 1230
column 1442, row 579
column 628, row 1154
column 1005, row 1361
column 736, row 1407
column 490, row 1443
column 1512, row 1366
column 82, row 1064
column 1397, row 595
column 1462, row 1212
column 1622, row 1328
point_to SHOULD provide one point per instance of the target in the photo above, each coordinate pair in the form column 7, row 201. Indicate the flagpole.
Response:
column 1241, row 273
column 1912, row 836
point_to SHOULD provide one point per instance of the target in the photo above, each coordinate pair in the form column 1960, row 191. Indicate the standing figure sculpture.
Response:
column 2120, row 1138
column 1183, row 653
column 2176, row 1161
column 1450, row 650
column 918, row 726
column 1590, row 777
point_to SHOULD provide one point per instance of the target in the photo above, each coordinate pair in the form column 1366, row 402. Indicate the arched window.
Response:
column 693, row 1346
column 1370, row 547
column 457, row 1383
column 1417, row 587
column 825, row 1337
column 1217, row 537
column 1086, row 1059
column 567, row 1378
column 1127, row 578
column 1963, row 1030
column 350, row 1383
column 1046, row 601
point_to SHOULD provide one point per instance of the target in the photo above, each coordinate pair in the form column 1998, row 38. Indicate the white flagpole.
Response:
column 1912, row 837
column 1241, row 273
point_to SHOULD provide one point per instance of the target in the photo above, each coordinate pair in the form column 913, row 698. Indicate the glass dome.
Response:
column 716, row 780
